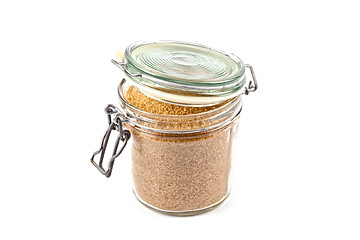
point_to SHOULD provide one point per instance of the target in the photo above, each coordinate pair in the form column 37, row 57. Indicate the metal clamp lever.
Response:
column 252, row 84
column 124, row 136
column 122, row 65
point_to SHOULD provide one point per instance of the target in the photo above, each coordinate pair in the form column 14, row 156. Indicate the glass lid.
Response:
column 184, row 73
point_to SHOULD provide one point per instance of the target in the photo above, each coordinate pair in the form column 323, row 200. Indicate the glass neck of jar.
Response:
column 178, row 124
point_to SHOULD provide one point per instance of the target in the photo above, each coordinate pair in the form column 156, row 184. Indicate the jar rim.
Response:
column 129, row 105
column 134, row 114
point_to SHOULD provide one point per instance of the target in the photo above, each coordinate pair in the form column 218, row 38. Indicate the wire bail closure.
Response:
column 122, row 66
column 124, row 136
column 253, row 85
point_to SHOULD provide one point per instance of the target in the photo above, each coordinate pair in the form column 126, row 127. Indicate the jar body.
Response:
column 182, row 166
column 182, row 174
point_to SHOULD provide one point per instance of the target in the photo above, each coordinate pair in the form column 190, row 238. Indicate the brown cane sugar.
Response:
column 151, row 105
column 179, row 172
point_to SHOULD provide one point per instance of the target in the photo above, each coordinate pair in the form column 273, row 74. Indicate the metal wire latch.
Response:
column 252, row 86
column 124, row 136
column 122, row 66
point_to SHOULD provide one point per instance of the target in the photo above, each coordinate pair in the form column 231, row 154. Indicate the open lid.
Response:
column 183, row 73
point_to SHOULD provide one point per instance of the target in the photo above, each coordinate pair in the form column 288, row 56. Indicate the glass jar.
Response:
column 181, row 163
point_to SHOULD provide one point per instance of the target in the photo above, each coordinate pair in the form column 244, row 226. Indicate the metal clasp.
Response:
column 252, row 86
column 124, row 136
column 122, row 65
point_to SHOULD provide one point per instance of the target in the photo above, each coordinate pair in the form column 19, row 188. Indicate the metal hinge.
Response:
column 115, row 124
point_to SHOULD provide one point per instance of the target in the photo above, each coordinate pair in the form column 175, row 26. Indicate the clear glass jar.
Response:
column 181, row 164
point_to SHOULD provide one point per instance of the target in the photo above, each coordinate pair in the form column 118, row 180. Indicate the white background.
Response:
column 297, row 174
